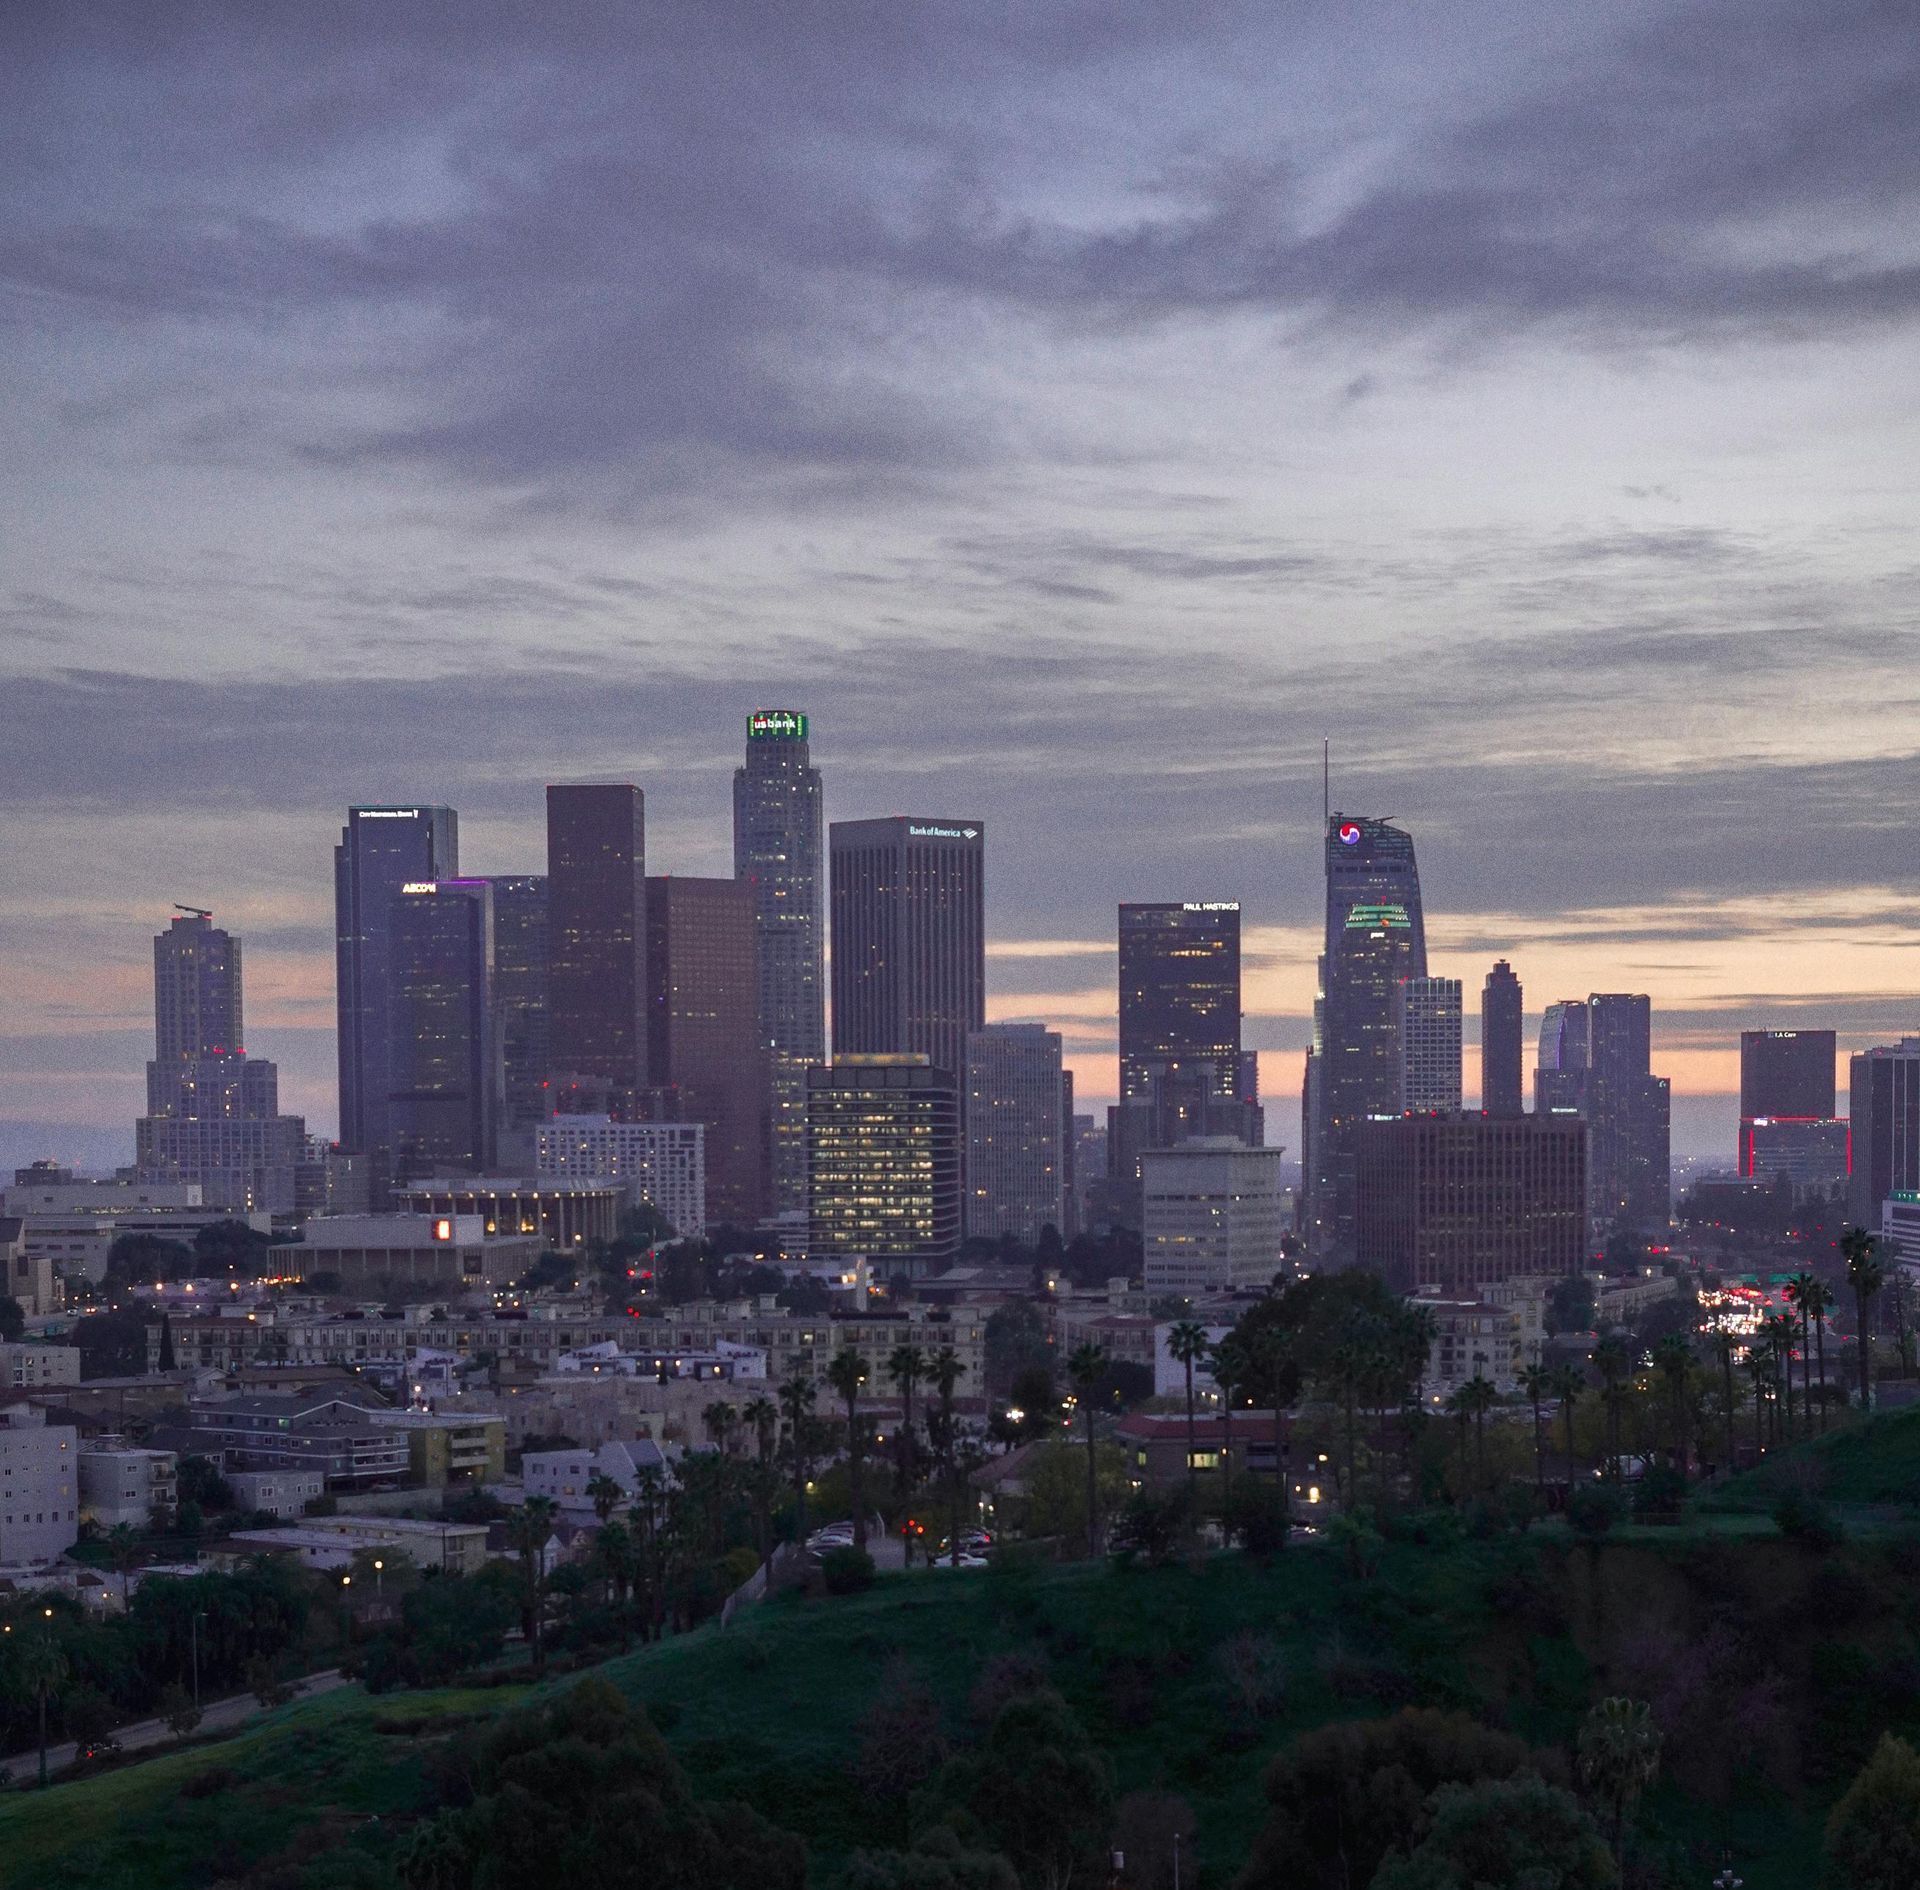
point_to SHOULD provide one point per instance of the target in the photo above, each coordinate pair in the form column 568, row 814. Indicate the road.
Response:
column 218, row 1716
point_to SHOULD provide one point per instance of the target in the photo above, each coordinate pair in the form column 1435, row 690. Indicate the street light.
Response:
column 379, row 1584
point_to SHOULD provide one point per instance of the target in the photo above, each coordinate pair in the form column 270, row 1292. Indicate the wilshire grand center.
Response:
column 1375, row 937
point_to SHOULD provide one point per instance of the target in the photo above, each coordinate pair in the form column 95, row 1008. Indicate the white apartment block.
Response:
column 1015, row 1125
column 663, row 1164
column 119, row 1484
column 1212, row 1213
column 30, row 1367
column 281, row 1493
column 39, row 1486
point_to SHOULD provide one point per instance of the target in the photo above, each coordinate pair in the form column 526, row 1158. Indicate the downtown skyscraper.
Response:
column 381, row 850
column 779, row 851
column 1375, row 937
column 1018, row 1116
column 446, row 1089
column 597, row 947
column 909, row 938
column 1427, row 1014
column 1502, row 1011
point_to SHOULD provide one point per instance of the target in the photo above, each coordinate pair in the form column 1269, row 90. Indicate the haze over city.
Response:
column 1079, row 416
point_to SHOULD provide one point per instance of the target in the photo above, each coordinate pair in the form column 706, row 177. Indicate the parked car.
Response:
column 105, row 1747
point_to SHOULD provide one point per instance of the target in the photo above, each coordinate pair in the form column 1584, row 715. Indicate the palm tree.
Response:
column 1619, row 1757
column 1568, row 1384
column 943, row 1373
column 1779, row 1334
column 1614, row 1362
column 1460, row 1406
column 1187, row 1342
column 1674, row 1357
column 1723, row 1344
column 1759, row 1367
column 605, row 1494
column 613, row 1555
column 846, row 1373
column 719, row 1419
column 1086, row 1366
column 1537, row 1382
column 1228, row 1364
column 761, row 1416
column 797, row 1393
column 40, row 1669
column 1478, row 1397
column 1819, row 1304
column 1803, row 1290
column 906, row 1366
column 529, row 1527
column 123, row 1551
column 1866, row 1274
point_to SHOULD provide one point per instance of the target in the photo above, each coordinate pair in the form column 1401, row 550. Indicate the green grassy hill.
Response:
column 1772, row 1665
column 1870, row 1466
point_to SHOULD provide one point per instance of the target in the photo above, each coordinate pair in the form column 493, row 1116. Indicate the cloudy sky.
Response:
column 1079, row 409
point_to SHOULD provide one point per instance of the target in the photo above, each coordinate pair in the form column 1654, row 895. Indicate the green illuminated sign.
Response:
column 1365, row 918
column 776, row 725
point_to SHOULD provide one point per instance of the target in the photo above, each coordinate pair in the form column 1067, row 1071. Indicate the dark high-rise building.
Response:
column 779, row 850
column 1884, row 1127
column 444, row 1095
column 213, row 1112
column 381, row 850
column 883, row 1164
column 520, row 995
column 1019, row 1110
column 1627, row 1110
column 597, row 944
column 1787, row 1124
column 909, row 938
column 1180, row 999
column 1452, row 1204
column 1501, row 1031
column 704, row 1042
column 1560, row 1074
column 1375, row 936
column 196, row 991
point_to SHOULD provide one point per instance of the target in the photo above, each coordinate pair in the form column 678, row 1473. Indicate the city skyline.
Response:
column 1081, row 422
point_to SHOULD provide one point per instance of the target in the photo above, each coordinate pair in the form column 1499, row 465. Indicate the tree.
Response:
column 796, row 1396
column 530, row 1527
column 177, row 1709
column 847, row 1373
column 906, row 1366
column 1568, row 1384
column 13, row 1319
column 1804, row 1293
column 123, row 1552
column 1777, row 1332
column 166, row 1361
column 1866, row 1274
column 1674, row 1358
column 1570, row 1305
column 1187, row 1343
column 1342, row 1796
column 1873, row 1833
column 606, row 1495
column 719, row 1419
column 1722, row 1340
column 761, row 1416
column 1086, row 1367
column 944, row 1373
column 1537, row 1382
column 1040, row 1790
column 1614, row 1363
column 1477, row 1397
column 1504, row 1834
column 1618, row 1755
column 39, row 1671
column 1016, row 1338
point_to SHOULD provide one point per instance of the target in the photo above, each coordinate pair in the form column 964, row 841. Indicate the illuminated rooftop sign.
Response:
column 1349, row 833
column 386, row 813
column 421, row 886
column 1366, row 917
column 917, row 832
column 776, row 725
column 1210, row 905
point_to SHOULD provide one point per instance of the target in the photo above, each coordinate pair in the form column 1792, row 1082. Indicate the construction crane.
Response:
column 192, row 912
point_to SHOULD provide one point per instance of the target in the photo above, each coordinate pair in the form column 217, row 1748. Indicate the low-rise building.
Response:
column 558, row 1211
column 123, row 1484
column 336, row 1436
column 1159, row 1454
column 29, row 1367
column 39, row 1487
column 1471, row 1338
column 440, row 1254
column 76, row 1241
column 282, row 1493
column 27, row 1274
column 332, row 1542
column 564, row 1476
column 450, row 1449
